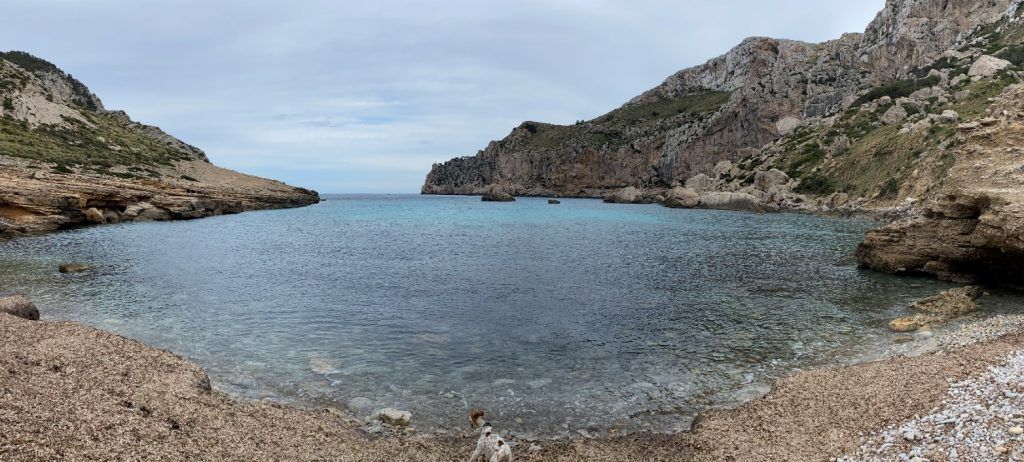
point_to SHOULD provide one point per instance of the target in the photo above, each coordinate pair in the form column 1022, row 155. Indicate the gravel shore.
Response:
column 70, row 392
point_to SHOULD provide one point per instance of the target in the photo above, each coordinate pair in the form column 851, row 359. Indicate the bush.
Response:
column 817, row 185
column 898, row 89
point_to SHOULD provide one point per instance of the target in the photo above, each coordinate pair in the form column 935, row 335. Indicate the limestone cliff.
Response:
column 719, row 111
column 65, row 161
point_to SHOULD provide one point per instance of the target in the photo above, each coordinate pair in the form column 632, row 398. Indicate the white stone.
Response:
column 987, row 66
column 894, row 115
column 787, row 125
column 394, row 417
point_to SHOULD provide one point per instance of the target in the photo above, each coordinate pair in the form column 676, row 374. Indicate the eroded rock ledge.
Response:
column 974, row 231
column 33, row 200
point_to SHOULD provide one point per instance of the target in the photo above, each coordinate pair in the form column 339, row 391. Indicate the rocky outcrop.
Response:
column 761, row 90
column 939, row 309
column 972, row 230
column 495, row 193
column 18, row 305
column 67, row 161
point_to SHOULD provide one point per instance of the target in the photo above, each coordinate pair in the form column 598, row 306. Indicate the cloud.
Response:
column 365, row 96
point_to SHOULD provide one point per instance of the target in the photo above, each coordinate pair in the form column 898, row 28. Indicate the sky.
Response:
column 364, row 96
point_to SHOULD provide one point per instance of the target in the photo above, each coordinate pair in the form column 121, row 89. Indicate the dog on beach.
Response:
column 490, row 447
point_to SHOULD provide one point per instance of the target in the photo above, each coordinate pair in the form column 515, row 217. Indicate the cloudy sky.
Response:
column 363, row 96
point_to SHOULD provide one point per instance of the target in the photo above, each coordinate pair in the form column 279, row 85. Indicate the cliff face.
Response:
column 65, row 161
column 720, row 111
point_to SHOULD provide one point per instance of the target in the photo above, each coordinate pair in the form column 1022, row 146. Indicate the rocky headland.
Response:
column 66, row 161
column 914, row 121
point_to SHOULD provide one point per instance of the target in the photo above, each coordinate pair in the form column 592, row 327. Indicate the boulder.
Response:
column 495, row 193
column 554, row 201
column 18, row 305
column 764, row 181
column 700, row 183
column 741, row 202
column 950, row 303
column 987, row 66
column 682, row 198
column 630, row 195
column 93, row 215
column 111, row 216
column 894, row 115
column 940, row 308
column 144, row 211
column 949, row 116
column 786, row 125
column 74, row 268
column 722, row 168
column 394, row 417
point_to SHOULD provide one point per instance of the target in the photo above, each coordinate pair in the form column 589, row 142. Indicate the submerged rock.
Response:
column 394, row 417
column 18, row 305
column 74, row 268
column 554, row 201
column 495, row 193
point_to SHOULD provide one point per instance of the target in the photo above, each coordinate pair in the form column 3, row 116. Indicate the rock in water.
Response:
column 19, row 305
column 940, row 308
column 394, row 417
column 554, row 201
column 74, row 268
column 682, row 198
column 950, row 303
column 495, row 193
column 630, row 195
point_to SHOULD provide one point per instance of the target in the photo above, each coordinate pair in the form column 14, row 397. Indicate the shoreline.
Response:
column 106, row 396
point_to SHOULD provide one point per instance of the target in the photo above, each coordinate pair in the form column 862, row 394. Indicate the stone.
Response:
column 111, row 216
column 18, row 305
column 735, row 201
column 764, row 181
column 495, row 193
column 93, row 215
column 722, row 168
column 1016, row 431
column 950, row 303
column 73, row 268
column 554, row 201
column 394, row 417
column 987, row 66
column 787, row 125
column 629, row 195
column 682, row 198
column 907, row 324
column 894, row 115
column 949, row 116
column 700, row 183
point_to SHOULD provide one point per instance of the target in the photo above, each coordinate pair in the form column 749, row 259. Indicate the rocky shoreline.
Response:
column 104, row 396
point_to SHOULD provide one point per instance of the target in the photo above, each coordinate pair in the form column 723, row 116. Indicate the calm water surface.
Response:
column 553, row 318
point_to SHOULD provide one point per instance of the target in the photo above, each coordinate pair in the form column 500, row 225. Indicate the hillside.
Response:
column 914, row 120
column 65, row 161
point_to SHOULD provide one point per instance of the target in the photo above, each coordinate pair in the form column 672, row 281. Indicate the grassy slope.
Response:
column 880, row 159
column 610, row 129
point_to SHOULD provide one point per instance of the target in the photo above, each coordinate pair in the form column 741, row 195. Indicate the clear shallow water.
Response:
column 553, row 318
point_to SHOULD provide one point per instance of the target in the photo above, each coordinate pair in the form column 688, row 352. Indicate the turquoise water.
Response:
column 583, row 315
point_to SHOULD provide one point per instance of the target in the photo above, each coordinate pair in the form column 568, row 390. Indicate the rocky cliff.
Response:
column 719, row 111
column 66, row 161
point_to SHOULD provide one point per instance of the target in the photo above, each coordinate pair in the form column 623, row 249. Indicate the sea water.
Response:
column 553, row 318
